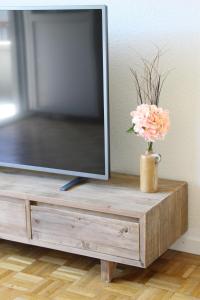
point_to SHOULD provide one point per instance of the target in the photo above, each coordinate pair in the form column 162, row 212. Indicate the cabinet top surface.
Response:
column 119, row 195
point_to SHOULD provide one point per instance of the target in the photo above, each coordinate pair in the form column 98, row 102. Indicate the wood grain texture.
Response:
column 28, row 219
column 120, row 195
column 65, row 248
column 100, row 233
column 107, row 270
column 164, row 223
column 33, row 273
column 111, row 220
column 12, row 217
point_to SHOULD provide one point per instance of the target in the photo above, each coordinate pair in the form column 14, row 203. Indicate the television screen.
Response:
column 53, row 91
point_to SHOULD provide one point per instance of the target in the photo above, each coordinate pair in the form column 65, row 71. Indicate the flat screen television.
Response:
column 54, row 90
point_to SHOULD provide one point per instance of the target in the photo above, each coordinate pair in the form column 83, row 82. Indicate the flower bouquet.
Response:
column 149, row 121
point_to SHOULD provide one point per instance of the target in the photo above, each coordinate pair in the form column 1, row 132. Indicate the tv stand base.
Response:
column 72, row 183
column 111, row 221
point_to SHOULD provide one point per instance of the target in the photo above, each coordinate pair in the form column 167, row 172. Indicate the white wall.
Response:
column 134, row 27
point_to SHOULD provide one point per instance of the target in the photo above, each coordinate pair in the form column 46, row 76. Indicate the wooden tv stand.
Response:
column 112, row 221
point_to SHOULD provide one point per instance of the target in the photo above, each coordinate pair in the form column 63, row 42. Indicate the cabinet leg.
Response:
column 107, row 270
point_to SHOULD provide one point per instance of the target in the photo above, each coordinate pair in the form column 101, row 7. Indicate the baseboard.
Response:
column 187, row 244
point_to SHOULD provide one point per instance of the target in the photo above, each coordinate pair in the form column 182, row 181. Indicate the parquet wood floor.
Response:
column 28, row 273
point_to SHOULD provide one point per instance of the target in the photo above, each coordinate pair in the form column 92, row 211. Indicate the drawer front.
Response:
column 12, row 218
column 95, row 232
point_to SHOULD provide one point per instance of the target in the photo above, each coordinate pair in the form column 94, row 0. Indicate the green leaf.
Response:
column 130, row 130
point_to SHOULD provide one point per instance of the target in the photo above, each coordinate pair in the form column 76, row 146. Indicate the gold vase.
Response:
column 149, row 172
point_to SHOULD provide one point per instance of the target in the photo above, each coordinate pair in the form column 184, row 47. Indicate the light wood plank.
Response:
column 111, row 220
column 12, row 218
column 107, row 270
column 99, row 233
column 28, row 219
column 163, row 224
column 119, row 195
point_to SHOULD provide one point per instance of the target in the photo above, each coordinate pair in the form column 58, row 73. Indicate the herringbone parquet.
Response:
column 28, row 273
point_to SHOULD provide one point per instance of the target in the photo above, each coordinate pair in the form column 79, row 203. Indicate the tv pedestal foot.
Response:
column 111, row 221
column 107, row 270
column 72, row 183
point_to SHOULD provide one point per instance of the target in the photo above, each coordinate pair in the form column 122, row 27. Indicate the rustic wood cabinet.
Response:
column 111, row 220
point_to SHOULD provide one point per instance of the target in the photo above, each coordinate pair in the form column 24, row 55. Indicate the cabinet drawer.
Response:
column 12, row 218
column 84, row 230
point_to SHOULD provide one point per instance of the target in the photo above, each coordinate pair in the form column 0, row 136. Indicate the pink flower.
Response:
column 150, row 122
